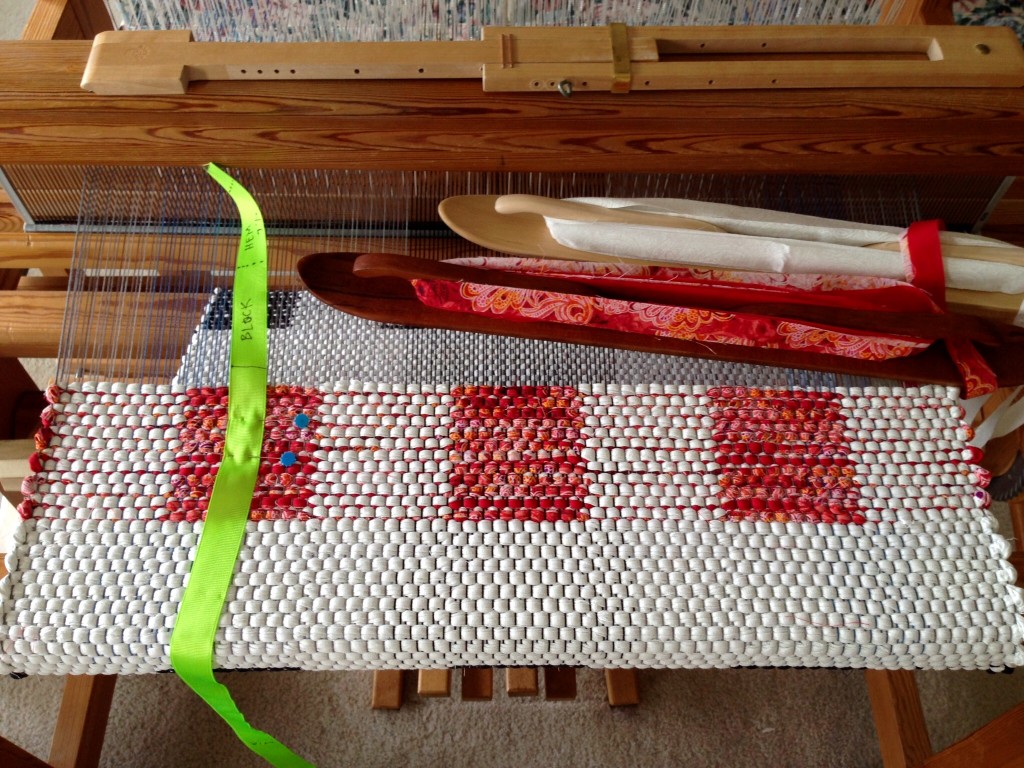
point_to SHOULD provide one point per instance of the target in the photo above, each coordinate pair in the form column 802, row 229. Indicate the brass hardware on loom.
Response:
column 617, row 58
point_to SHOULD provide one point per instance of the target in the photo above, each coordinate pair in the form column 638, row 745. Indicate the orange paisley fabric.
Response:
column 691, row 324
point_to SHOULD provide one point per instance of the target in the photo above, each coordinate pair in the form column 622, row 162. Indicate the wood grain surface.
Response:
column 82, row 721
column 896, row 706
column 452, row 125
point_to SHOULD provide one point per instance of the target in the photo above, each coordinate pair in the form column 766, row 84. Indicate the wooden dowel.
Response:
column 477, row 684
column 387, row 689
column 559, row 683
column 623, row 687
column 899, row 719
column 434, row 682
column 82, row 721
column 53, row 251
column 521, row 681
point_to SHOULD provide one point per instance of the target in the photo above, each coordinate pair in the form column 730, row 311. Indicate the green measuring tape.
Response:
column 214, row 566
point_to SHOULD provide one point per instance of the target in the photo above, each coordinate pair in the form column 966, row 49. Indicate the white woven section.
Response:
column 384, row 452
column 924, row 583
column 652, row 453
column 90, row 598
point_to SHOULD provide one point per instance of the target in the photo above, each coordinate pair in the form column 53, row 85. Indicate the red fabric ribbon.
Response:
column 923, row 254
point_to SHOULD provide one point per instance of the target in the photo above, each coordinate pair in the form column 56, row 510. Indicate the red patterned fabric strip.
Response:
column 702, row 325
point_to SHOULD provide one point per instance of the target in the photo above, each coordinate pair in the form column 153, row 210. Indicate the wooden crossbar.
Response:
column 613, row 59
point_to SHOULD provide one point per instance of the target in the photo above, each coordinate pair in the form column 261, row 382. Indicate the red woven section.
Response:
column 281, row 492
column 783, row 456
column 517, row 454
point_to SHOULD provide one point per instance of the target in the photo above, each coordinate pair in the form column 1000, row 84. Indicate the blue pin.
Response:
column 301, row 420
column 287, row 459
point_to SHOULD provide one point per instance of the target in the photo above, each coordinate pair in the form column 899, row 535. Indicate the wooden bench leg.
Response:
column 22, row 401
column 477, row 684
column 521, row 681
column 899, row 720
column 434, row 682
column 13, row 756
column 997, row 744
column 559, row 683
column 82, row 721
column 1017, row 519
column 622, row 686
column 387, row 689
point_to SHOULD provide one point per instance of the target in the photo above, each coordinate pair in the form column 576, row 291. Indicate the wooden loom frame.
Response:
column 45, row 118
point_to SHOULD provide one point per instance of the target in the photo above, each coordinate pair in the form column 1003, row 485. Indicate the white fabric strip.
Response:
column 90, row 597
column 759, row 222
column 783, row 255
column 1008, row 416
column 791, row 252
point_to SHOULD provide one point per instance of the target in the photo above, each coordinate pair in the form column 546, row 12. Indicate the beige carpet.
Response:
column 704, row 718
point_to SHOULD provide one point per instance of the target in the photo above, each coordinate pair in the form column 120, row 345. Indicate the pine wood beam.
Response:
column 453, row 125
column 82, row 721
column 387, row 689
column 67, row 20
column 899, row 719
column 521, row 681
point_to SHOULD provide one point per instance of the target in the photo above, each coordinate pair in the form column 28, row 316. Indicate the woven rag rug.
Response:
column 459, row 499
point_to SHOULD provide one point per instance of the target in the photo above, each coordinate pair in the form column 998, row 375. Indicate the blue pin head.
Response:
column 288, row 458
column 301, row 420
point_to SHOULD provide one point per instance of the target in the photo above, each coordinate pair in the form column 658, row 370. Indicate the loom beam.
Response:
column 572, row 60
column 45, row 117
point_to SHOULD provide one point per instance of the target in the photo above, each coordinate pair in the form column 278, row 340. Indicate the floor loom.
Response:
column 383, row 126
